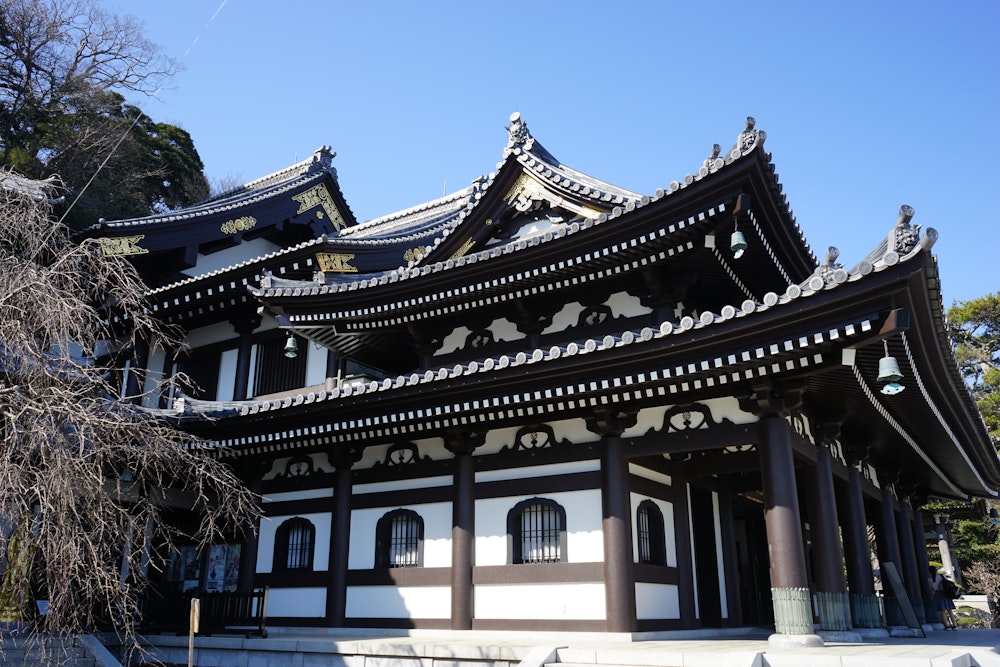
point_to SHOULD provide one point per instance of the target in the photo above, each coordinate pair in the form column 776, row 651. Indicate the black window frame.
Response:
column 515, row 537
column 651, row 534
column 386, row 538
column 283, row 546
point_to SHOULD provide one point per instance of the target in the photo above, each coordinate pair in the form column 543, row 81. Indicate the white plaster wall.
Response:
column 550, row 470
column 403, row 485
column 265, row 540
column 227, row 376
column 651, row 475
column 668, row 527
column 540, row 601
column 657, row 601
column 315, row 364
column 505, row 330
column 623, row 304
column 728, row 407
column 584, row 540
column 650, row 419
column 573, row 430
column 398, row 602
column 223, row 258
column 565, row 318
column 719, row 558
column 154, row 376
column 453, row 341
column 432, row 447
column 213, row 333
column 296, row 602
column 437, row 534
column 305, row 494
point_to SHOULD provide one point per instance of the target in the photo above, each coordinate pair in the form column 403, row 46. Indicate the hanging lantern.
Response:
column 889, row 374
column 291, row 347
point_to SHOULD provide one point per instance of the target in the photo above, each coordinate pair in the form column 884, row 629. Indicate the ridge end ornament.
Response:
column 517, row 131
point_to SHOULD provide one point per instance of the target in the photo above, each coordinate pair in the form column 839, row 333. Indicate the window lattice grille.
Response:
column 299, row 547
column 540, row 535
column 404, row 541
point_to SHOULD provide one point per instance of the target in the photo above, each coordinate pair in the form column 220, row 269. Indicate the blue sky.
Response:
column 867, row 105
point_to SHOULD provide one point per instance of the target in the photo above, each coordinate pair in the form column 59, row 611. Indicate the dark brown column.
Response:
column 682, row 543
column 781, row 513
column 888, row 551
column 245, row 328
column 865, row 611
column 248, row 549
column 923, row 562
column 137, row 371
column 619, row 580
column 908, row 554
column 463, row 527
column 730, row 561
column 340, row 531
column 828, row 553
column 789, row 580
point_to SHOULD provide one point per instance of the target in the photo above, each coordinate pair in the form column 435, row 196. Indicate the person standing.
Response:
column 942, row 602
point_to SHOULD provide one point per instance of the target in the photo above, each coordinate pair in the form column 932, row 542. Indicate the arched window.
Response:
column 294, row 542
column 536, row 532
column 399, row 539
column 651, row 534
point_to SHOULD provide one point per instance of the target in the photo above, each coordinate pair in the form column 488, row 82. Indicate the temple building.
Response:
column 545, row 402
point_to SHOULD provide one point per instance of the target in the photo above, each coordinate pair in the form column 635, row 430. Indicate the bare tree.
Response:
column 984, row 576
column 57, row 55
column 84, row 474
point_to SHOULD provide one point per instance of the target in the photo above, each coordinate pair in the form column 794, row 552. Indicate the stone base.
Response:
column 778, row 640
column 872, row 633
column 840, row 636
column 903, row 631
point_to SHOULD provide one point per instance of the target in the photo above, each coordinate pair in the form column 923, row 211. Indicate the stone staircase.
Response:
column 18, row 652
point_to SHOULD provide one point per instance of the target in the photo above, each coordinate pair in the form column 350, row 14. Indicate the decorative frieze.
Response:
column 333, row 262
column 319, row 196
column 238, row 225
column 122, row 245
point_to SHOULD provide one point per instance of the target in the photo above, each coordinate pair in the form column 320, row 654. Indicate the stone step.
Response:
column 22, row 653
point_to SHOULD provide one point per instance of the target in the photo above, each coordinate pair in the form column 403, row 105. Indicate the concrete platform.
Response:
column 738, row 648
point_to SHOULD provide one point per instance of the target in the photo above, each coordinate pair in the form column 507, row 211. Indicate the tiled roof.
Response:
column 820, row 282
column 312, row 169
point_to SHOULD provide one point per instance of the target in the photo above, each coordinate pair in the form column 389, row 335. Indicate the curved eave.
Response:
column 798, row 336
column 228, row 221
column 671, row 223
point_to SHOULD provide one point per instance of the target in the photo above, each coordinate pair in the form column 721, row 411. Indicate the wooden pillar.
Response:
column 463, row 527
column 828, row 554
column 888, row 552
column 789, row 580
column 340, row 531
column 135, row 378
column 248, row 549
column 857, row 557
column 245, row 328
column 730, row 562
column 923, row 562
column 682, row 543
column 908, row 554
column 619, row 580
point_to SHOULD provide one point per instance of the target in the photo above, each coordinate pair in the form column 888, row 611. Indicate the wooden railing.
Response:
column 230, row 611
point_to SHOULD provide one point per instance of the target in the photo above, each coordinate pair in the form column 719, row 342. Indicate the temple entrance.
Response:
column 752, row 567
column 706, row 558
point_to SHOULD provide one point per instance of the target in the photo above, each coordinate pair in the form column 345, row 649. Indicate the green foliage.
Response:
column 975, row 328
column 973, row 533
column 63, row 68
column 969, row 556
